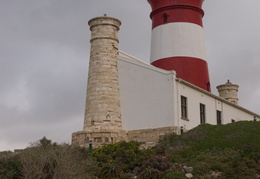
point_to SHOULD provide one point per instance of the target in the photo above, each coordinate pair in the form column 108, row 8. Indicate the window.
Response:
column 208, row 86
column 184, row 110
column 165, row 17
column 106, row 139
column 86, row 140
column 161, row 137
column 219, row 117
column 202, row 114
column 98, row 139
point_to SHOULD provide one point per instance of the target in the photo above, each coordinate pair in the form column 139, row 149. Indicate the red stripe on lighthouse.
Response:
column 177, row 13
column 156, row 4
column 190, row 69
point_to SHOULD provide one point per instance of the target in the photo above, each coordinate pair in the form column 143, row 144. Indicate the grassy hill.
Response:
column 232, row 149
column 229, row 151
column 244, row 135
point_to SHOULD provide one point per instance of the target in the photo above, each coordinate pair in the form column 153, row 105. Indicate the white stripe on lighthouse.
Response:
column 177, row 39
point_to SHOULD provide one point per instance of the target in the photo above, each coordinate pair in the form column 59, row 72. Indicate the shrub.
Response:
column 10, row 167
column 214, row 160
column 47, row 160
column 174, row 175
column 171, row 143
column 126, row 154
column 158, row 162
column 231, row 150
column 111, row 172
column 150, row 173
column 245, row 169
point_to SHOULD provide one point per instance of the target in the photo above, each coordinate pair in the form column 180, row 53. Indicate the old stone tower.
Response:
column 229, row 92
column 102, row 122
column 103, row 103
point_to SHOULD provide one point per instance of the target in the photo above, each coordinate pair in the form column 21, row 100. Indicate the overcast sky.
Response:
column 44, row 53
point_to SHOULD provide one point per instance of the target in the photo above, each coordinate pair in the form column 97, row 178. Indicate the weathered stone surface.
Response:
column 188, row 169
column 103, row 101
column 150, row 135
column 97, row 138
column 102, row 122
column 189, row 175
column 229, row 92
column 214, row 174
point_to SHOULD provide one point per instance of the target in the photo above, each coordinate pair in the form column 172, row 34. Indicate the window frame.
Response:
column 202, row 113
column 184, row 107
column 219, row 117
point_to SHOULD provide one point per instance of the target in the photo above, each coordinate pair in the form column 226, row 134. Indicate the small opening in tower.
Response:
column 165, row 17
column 208, row 86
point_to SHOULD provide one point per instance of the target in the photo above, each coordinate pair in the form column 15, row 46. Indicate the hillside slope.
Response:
column 232, row 150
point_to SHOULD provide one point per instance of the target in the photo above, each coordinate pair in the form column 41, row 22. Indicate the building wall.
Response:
column 151, row 98
column 195, row 96
column 150, row 137
column 146, row 95
column 230, row 113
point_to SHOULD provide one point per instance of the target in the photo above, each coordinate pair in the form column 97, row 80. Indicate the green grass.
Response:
column 244, row 136
column 233, row 149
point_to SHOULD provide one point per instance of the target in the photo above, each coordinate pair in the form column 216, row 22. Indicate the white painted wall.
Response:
column 230, row 113
column 150, row 98
column 178, row 39
column 146, row 95
column 213, row 103
column 194, row 98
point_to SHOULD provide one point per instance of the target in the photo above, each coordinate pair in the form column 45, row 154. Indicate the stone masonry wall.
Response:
column 229, row 92
column 102, row 121
column 103, row 100
column 98, row 138
column 150, row 137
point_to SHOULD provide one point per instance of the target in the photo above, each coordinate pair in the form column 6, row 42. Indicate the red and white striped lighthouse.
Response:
column 178, row 40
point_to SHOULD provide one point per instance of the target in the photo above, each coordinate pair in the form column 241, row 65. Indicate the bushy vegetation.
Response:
column 232, row 150
column 10, row 166
column 151, row 173
column 224, row 152
column 127, row 155
column 174, row 175
column 47, row 160
column 111, row 171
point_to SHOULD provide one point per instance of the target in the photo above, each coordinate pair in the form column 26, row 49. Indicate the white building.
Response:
column 151, row 98
column 128, row 99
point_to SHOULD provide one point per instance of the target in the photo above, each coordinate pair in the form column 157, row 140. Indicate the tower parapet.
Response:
column 178, row 40
column 229, row 92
